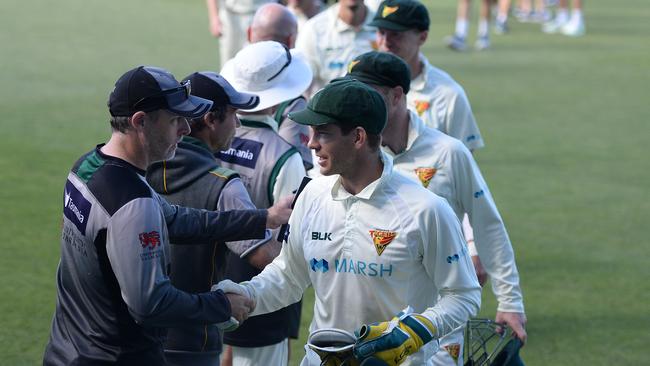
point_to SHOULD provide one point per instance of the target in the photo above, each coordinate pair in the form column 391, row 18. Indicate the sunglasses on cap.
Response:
column 171, row 96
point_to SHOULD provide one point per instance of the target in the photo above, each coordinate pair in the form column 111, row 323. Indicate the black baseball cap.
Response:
column 401, row 15
column 212, row 86
column 148, row 88
column 381, row 68
column 346, row 102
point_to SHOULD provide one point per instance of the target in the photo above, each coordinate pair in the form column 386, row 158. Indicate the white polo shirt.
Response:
column 445, row 167
column 442, row 103
column 370, row 255
column 330, row 44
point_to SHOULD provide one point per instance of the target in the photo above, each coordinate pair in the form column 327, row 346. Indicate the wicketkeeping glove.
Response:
column 389, row 343
column 333, row 346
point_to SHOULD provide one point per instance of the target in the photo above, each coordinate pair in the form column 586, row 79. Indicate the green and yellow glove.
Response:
column 389, row 343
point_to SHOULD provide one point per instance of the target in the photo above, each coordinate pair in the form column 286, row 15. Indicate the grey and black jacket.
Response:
column 114, row 296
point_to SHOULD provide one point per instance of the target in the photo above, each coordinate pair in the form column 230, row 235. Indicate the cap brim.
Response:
column 244, row 101
column 385, row 24
column 191, row 107
column 294, row 81
column 311, row 118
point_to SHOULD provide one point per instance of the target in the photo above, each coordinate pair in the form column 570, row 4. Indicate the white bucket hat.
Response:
column 270, row 70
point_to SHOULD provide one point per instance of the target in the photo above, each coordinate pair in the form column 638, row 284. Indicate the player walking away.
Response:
column 370, row 241
column 304, row 10
column 437, row 98
column 229, row 20
column 114, row 297
column 331, row 39
column 270, row 168
column 573, row 26
column 274, row 22
column 445, row 167
column 457, row 41
column 194, row 179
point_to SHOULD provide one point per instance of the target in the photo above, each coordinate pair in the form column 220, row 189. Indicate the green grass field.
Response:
column 565, row 123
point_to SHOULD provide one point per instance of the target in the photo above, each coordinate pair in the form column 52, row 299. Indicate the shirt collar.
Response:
column 420, row 81
column 415, row 129
column 342, row 26
column 339, row 193
column 262, row 118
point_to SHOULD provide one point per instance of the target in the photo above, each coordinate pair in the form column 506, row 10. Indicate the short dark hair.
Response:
column 373, row 139
column 219, row 112
column 120, row 123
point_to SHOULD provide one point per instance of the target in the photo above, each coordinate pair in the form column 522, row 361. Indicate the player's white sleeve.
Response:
column 289, row 177
column 447, row 262
column 460, row 121
column 284, row 280
column 490, row 235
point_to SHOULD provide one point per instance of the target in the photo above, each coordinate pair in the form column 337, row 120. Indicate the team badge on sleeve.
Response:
column 381, row 239
column 421, row 106
column 453, row 350
column 388, row 10
column 425, row 175
column 149, row 240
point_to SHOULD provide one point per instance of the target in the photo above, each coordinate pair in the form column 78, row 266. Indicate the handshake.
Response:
column 379, row 344
column 241, row 304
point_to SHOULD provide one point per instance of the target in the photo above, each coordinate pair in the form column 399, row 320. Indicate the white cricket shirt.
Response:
column 370, row 255
column 442, row 103
column 330, row 44
column 445, row 167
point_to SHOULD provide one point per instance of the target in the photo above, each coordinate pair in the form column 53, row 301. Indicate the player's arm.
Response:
column 188, row 225
column 461, row 123
column 490, row 236
column 135, row 251
column 258, row 253
column 284, row 280
column 213, row 16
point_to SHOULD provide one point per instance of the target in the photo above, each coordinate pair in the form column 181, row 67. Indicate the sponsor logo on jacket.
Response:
column 354, row 267
column 315, row 235
column 319, row 265
column 149, row 240
column 76, row 207
column 242, row 152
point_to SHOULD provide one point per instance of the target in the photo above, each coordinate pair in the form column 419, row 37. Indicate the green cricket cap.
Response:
column 381, row 68
column 402, row 15
column 346, row 102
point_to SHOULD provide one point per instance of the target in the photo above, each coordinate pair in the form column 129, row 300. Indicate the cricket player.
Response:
column 194, row 179
column 445, row 167
column 331, row 39
column 402, row 28
column 370, row 241
column 114, row 296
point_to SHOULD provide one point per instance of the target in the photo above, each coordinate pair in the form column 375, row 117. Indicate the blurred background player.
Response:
column 274, row 22
column 270, row 168
column 444, row 166
column 331, row 39
column 437, row 98
column 573, row 25
column 229, row 20
column 532, row 11
column 304, row 10
column 193, row 178
column 457, row 41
